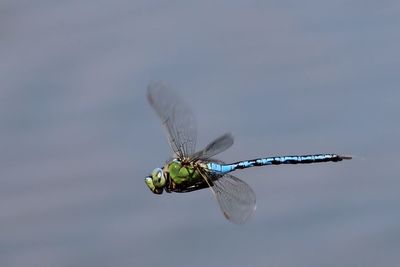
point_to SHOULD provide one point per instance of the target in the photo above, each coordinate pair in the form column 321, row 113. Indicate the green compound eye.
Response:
column 149, row 182
column 158, row 177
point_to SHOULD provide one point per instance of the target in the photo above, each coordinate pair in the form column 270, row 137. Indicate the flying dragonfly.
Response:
column 192, row 170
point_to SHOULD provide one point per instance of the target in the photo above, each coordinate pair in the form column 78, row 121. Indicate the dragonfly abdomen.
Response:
column 304, row 159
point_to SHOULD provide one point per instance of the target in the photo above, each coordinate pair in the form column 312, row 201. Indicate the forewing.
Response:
column 217, row 146
column 236, row 198
column 176, row 116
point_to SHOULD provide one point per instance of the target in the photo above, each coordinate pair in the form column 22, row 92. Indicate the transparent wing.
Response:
column 176, row 116
column 235, row 198
column 217, row 146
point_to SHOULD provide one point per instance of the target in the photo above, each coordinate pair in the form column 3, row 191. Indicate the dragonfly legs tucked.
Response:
column 172, row 187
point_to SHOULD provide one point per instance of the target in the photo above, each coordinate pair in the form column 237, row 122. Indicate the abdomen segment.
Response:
column 304, row 159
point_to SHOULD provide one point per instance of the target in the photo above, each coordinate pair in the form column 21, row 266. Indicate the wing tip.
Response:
column 152, row 87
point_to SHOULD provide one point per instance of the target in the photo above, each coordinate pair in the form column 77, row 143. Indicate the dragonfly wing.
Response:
column 236, row 198
column 176, row 116
column 217, row 146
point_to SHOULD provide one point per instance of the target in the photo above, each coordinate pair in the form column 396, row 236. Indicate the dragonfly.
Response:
column 190, row 170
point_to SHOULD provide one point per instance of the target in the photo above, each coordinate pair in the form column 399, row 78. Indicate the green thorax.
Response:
column 183, row 173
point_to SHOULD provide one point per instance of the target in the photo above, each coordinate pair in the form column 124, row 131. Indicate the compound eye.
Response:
column 149, row 181
column 158, row 177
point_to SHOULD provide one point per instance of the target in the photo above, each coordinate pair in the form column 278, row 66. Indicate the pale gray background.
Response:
column 285, row 77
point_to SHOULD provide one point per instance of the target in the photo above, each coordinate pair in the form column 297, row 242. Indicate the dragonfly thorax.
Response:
column 182, row 173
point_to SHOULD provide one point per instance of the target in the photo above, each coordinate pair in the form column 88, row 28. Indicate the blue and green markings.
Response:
column 226, row 168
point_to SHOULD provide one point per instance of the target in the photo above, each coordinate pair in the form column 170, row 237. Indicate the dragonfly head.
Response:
column 156, row 181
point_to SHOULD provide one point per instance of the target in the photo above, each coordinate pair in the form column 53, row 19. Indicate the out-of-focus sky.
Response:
column 285, row 77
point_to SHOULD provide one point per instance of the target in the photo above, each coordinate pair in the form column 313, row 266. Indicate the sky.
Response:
column 284, row 77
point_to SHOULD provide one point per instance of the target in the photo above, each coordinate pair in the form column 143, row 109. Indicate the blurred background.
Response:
column 285, row 77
